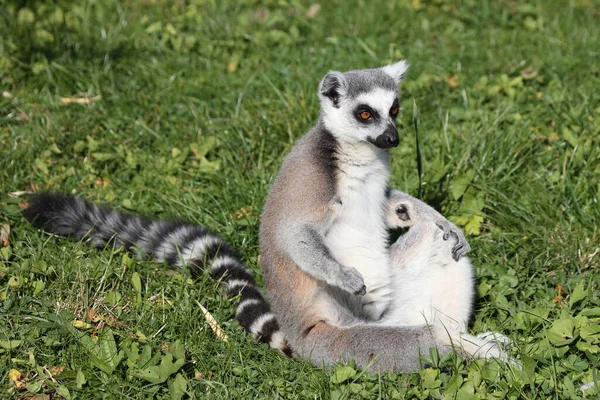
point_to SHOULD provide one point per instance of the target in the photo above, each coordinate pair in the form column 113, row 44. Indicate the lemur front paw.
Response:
column 352, row 281
column 462, row 246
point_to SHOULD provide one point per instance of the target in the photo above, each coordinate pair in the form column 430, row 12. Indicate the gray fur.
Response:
column 362, row 81
column 308, row 250
column 321, row 321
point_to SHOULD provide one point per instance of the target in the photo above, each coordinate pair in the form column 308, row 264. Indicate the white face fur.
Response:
column 362, row 106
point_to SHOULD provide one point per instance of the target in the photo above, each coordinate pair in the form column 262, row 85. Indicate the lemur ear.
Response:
column 397, row 70
column 332, row 87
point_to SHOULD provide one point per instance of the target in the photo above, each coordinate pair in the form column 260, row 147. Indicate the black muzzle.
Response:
column 388, row 139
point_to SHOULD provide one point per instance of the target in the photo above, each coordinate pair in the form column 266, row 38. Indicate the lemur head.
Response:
column 362, row 105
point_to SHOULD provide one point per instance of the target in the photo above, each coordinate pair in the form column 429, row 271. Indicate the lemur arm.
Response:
column 306, row 247
column 404, row 211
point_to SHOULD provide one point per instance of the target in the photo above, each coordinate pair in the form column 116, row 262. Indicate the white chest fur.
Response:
column 357, row 234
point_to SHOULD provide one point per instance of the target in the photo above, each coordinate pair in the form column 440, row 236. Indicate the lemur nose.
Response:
column 392, row 141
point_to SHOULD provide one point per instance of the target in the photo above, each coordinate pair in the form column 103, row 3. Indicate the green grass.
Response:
column 201, row 100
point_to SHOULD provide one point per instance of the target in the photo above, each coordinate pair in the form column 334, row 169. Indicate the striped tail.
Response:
column 175, row 243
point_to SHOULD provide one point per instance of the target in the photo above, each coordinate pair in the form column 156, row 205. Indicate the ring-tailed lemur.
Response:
column 173, row 243
column 323, row 230
column 433, row 283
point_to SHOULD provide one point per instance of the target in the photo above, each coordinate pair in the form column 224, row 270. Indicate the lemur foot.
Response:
column 462, row 246
column 492, row 336
column 499, row 344
column 352, row 281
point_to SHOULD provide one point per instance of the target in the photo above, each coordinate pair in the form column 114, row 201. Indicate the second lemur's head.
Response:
column 362, row 105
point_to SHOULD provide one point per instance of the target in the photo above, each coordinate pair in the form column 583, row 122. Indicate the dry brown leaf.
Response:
column 57, row 370
column 559, row 298
column 4, row 233
column 17, row 378
column 80, row 99
column 20, row 193
column 23, row 204
column 93, row 316
column 32, row 188
column 30, row 396
column 212, row 322
column 529, row 73
column 313, row 10
column 453, row 82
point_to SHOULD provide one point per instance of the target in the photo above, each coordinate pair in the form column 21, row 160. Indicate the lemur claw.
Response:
column 462, row 246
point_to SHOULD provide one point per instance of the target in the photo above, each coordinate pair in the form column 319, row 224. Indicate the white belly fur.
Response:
column 357, row 235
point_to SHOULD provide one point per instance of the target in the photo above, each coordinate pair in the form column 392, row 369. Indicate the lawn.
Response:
column 185, row 109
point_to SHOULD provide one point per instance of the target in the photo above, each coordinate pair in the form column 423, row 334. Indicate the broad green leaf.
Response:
column 578, row 294
column 585, row 346
column 34, row 386
column 177, row 387
column 467, row 392
column 106, row 349
column 460, row 183
column 561, row 332
column 136, row 281
column 569, row 136
column 160, row 373
column 342, row 373
column 473, row 226
column 590, row 312
column 63, row 391
column 10, row 344
column 590, row 333
column 454, row 384
column 112, row 298
column 80, row 379
column 430, row 378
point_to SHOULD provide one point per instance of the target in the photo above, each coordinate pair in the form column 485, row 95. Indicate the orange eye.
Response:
column 365, row 115
column 394, row 111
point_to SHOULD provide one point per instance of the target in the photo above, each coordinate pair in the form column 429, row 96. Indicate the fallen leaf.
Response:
column 32, row 188
column 452, row 82
column 231, row 66
column 529, row 73
column 313, row 10
column 19, row 193
column 212, row 322
column 35, row 397
column 23, row 204
column 4, row 233
column 57, row 370
column 559, row 298
column 80, row 324
column 17, row 378
column 102, row 182
column 93, row 316
column 80, row 99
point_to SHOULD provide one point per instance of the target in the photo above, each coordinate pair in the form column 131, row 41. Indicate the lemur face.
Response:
column 362, row 105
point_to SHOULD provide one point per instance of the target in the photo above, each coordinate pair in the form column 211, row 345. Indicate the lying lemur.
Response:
column 433, row 282
column 335, row 292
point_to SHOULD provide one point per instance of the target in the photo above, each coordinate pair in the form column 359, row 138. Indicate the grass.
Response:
column 201, row 100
